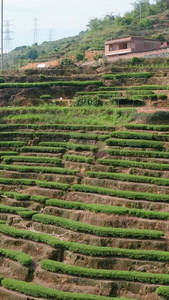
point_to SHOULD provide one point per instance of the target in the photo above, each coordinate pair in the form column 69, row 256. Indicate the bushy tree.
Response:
column 79, row 56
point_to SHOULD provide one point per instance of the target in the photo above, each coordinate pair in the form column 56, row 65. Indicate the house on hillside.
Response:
column 132, row 45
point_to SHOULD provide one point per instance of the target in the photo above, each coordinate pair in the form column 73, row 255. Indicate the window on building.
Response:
column 130, row 45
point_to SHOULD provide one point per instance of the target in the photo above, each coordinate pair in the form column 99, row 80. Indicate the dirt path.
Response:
column 151, row 109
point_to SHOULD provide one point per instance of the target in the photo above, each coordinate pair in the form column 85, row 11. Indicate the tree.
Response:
column 32, row 54
column 79, row 56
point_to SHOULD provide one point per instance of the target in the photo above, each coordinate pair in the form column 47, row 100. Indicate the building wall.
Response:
column 141, row 45
column 137, row 45
column 137, row 54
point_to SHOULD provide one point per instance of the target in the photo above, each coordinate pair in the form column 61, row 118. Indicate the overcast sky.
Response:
column 63, row 17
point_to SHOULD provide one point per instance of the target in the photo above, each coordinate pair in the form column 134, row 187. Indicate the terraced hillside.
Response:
column 84, row 208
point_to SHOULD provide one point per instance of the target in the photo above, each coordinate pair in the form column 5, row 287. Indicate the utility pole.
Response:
column 2, row 39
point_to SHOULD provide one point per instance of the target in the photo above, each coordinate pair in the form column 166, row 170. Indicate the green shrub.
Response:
column 163, row 291
column 113, row 94
column 130, row 178
column 17, row 181
column 79, row 56
column 27, row 214
column 31, row 159
column 126, row 101
column 107, row 209
column 45, row 126
column 23, row 258
column 76, row 147
column 78, row 158
column 11, row 209
column 8, row 153
column 40, row 149
column 122, row 152
column 82, row 248
column 59, row 267
column 86, row 100
column 148, row 127
column 40, row 291
column 46, row 97
column 133, row 135
column 2, row 80
column 112, row 88
column 53, row 185
column 12, row 144
column 97, row 230
column 139, row 92
column 49, row 83
column 68, row 135
column 127, row 75
column 120, row 193
column 149, row 87
column 17, row 196
column 41, row 199
column 37, row 169
column 131, row 163
column 134, row 143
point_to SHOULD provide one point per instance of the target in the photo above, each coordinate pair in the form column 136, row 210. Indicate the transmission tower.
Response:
column 35, row 35
column 7, row 37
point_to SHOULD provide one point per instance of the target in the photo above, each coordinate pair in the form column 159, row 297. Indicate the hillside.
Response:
column 154, row 23
column 84, row 183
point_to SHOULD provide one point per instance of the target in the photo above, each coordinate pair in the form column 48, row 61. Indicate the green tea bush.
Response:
column 136, row 164
column 49, row 83
column 135, row 153
column 76, row 147
column 130, row 178
column 148, row 127
column 127, row 101
column 46, row 97
column 78, row 158
column 12, row 144
column 68, row 135
column 87, row 100
column 10, row 127
column 53, row 185
column 31, row 159
column 108, row 210
column 27, row 214
column 133, row 135
column 134, row 143
column 23, row 258
column 40, row 291
column 40, row 149
column 36, row 169
column 119, row 193
column 97, row 230
column 163, row 291
column 139, row 92
column 83, row 248
column 59, row 267
column 127, row 75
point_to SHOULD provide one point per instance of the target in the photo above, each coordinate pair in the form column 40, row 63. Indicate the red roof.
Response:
column 128, row 39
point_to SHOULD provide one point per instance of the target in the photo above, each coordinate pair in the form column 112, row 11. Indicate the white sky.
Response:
column 64, row 18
